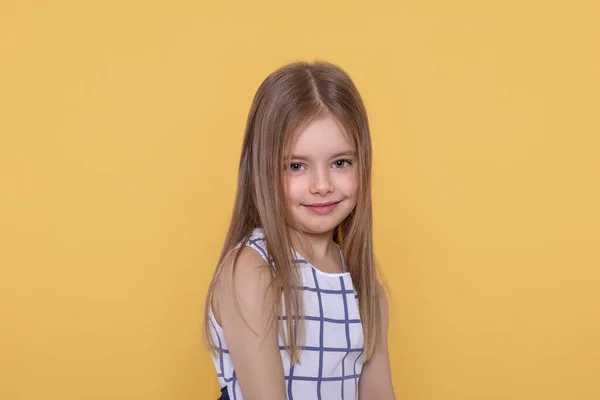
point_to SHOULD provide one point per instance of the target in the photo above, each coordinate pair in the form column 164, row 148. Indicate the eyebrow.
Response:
column 348, row 153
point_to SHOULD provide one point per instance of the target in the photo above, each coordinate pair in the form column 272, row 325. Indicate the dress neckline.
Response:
column 298, row 256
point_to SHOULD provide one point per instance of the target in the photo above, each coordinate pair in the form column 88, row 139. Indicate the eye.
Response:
column 341, row 163
column 296, row 167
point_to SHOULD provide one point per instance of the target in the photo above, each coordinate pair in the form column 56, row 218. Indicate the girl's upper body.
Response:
column 331, row 357
column 295, row 310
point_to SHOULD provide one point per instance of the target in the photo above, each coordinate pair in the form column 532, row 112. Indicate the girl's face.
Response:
column 321, row 180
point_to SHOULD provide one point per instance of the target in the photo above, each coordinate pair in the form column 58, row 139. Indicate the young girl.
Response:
column 295, row 309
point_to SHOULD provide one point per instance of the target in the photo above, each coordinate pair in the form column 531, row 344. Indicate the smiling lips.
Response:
column 322, row 208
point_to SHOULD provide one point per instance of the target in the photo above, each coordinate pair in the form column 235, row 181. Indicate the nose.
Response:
column 321, row 182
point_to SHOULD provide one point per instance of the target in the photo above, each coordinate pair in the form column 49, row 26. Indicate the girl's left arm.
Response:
column 376, row 378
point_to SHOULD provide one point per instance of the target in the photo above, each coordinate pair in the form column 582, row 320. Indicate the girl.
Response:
column 295, row 310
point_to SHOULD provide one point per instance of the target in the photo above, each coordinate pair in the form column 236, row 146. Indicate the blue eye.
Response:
column 295, row 167
column 341, row 163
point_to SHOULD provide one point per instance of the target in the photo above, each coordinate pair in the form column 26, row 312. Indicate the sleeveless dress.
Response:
column 331, row 358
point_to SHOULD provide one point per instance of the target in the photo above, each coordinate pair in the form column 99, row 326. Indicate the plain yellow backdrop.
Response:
column 121, row 124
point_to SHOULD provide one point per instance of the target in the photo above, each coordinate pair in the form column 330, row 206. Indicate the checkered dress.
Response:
column 331, row 357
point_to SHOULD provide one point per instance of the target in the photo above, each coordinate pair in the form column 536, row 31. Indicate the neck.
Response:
column 313, row 246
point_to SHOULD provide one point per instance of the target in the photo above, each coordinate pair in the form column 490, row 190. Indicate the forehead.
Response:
column 321, row 138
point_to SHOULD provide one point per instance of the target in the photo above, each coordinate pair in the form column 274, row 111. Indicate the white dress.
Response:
column 331, row 357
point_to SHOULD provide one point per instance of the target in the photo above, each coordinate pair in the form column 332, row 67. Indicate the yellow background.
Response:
column 121, row 124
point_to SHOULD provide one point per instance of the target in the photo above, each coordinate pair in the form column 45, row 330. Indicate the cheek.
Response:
column 350, row 185
column 293, row 190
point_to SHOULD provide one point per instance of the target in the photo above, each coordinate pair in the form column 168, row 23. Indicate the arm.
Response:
column 376, row 379
column 250, row 334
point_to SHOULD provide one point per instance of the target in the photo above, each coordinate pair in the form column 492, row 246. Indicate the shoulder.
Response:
column 246, row 299
column 244, row 278
column 243, row 266
column 247, row 255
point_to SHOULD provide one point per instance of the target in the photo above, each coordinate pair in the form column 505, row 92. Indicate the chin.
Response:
column 326, row 225
column 321, row 230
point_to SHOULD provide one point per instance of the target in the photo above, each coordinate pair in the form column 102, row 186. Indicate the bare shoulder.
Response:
column 245, row 278
column 249, row 263
column 246, row 301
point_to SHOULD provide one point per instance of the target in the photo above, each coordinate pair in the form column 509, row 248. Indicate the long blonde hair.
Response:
column 287, row 100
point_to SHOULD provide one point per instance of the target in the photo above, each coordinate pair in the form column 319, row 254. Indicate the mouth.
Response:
column 322, row 208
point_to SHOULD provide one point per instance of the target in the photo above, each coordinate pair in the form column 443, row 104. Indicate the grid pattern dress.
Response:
column 331, row 357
